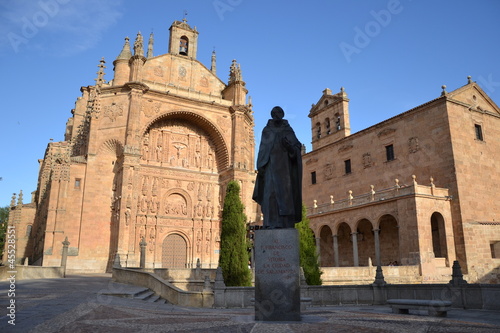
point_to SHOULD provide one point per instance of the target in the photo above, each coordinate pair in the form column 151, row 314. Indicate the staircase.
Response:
column 143, row 294
column 148, row 295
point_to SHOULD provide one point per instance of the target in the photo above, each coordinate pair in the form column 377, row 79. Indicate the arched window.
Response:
column 438, row 236
column 318, row 130
column 337, row 123
column 327, row 125
column 184, row 45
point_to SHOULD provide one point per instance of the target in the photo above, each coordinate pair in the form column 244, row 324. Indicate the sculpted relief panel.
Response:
column 176, row 205
column 162, row 197
column 178, row 144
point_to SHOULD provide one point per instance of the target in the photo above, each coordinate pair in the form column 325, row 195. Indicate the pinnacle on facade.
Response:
column 20, row 198
column 235, row 72
column 13, row 201
column 139, row 45
column 100, row 73
column 213, row 67
column 126, row 52
column 150, row 46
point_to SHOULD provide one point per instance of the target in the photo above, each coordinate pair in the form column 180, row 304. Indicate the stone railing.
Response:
column 174, row 295
column 374, row 196
column 365, row 274
column 217, row 295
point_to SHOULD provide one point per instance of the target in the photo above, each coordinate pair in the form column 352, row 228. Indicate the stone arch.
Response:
column 439, row 245
column 174, row 206
column 221, row 149
column 366, row 241
column 389, row 240
column 326, row 246
column 345, row 245
column 175, row 250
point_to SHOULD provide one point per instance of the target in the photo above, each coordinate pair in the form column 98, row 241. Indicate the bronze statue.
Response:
column 278, row 188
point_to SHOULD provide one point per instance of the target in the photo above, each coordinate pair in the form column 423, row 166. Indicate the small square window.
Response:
column 313, row 177
column 347, row 164
column 479, row 132
column 389, row 152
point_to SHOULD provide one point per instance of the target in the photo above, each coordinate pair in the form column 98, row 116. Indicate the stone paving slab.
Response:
column 79, row 304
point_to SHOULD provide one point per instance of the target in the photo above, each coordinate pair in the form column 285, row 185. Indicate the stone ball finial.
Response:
column 469, row 79
column 444, row 90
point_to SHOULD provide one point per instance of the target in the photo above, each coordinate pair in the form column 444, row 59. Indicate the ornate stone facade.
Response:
column 366, row 207
column 147, row 154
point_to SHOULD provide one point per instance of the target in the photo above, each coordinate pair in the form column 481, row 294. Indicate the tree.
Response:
column 308, row 255
column 4, row 216
column 233, row 258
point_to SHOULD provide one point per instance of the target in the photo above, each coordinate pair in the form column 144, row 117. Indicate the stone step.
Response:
column 145, row 295
column 126, row 294
column 140, row 291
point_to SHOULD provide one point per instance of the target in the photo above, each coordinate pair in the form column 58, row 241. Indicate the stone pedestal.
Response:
column 277, row 275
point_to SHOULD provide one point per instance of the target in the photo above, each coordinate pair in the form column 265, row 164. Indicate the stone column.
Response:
column 318, row 249
column 336, row 250
column 355, row 248
column 377, row 246
column 143, row 244
column 64, row 257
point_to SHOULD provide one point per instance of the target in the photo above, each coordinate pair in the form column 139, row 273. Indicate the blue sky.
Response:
column 389, row 55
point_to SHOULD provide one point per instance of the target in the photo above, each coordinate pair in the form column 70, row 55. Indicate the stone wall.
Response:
column 467, row 296
column 32, row 272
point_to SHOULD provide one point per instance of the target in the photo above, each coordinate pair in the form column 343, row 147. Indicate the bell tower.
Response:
column 330, row 118
column 183, row 39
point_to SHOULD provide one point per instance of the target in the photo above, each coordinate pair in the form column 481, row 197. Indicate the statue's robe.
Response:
column 278, row 188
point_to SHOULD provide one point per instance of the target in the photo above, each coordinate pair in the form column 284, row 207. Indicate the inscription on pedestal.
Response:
column 277, row 277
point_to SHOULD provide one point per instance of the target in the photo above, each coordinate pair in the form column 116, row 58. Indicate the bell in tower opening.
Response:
column 183, row 47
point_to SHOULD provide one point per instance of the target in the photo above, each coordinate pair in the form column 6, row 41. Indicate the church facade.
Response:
column 413, row 193
column 146, row 156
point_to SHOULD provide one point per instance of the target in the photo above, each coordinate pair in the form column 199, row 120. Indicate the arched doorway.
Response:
column 326, row 247
column 389, row 241
column 366, row 242
column 174, row 252
column 345, row 245
column 438, row 236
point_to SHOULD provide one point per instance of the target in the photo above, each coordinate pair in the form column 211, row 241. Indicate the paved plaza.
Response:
column 84, row 304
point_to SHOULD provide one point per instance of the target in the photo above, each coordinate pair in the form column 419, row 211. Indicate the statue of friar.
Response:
column 278, row 188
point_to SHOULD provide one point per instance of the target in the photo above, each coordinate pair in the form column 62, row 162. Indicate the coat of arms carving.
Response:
column 113, row 111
